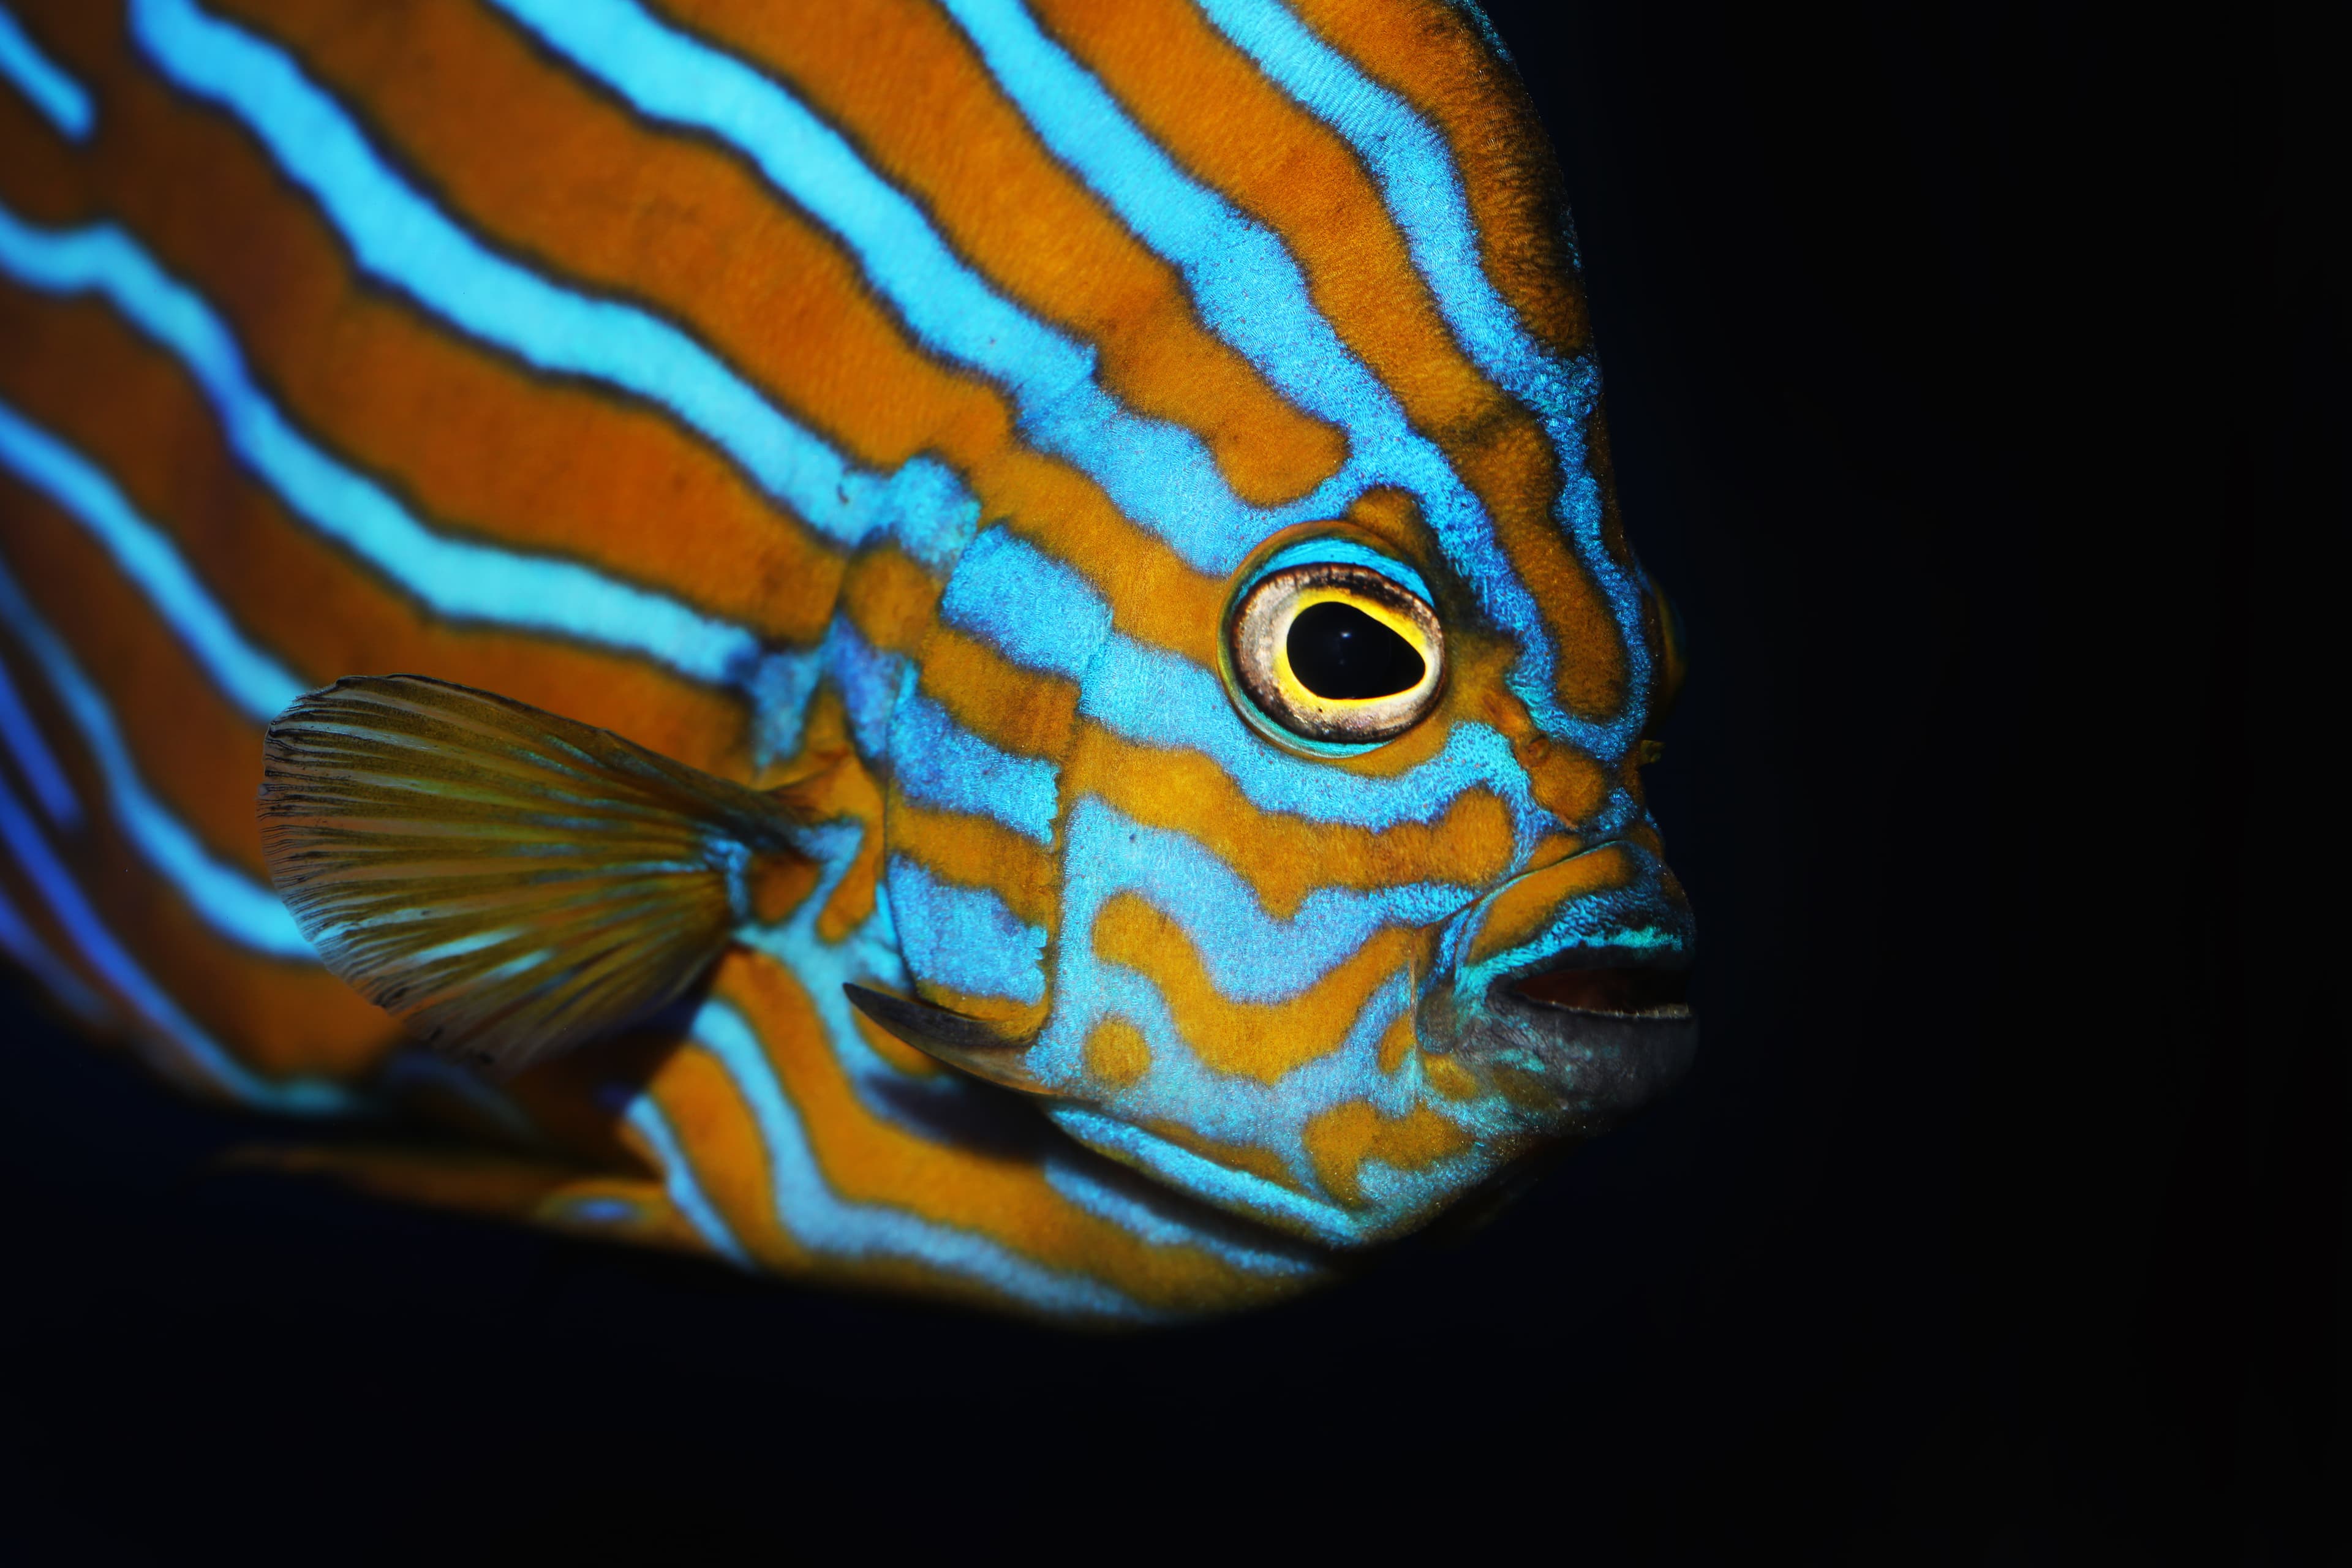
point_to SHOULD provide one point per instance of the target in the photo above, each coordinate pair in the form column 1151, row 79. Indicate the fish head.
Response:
column 1355, row 922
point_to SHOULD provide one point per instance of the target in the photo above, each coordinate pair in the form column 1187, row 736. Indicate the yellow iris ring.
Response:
column 1259, row 641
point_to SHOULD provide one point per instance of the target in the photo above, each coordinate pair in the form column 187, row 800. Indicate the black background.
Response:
column 1973, row 376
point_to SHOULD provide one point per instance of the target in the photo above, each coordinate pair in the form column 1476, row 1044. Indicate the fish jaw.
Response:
column 1562, row 996
column 1540, row 1014
column 1551, row 1008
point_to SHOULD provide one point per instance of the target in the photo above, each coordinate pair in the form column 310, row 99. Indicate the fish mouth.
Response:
column 1604, row 1031
column 1614, row 990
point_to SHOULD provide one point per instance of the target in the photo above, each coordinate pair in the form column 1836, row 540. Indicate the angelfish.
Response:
column 1030, row 688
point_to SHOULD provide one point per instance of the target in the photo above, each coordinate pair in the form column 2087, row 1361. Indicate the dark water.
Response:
column 1970, row 370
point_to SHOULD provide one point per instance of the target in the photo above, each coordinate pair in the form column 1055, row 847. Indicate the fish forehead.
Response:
column 1496, row 460
column 1494, row 463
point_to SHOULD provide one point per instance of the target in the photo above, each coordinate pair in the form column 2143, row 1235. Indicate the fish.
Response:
column 973, row 648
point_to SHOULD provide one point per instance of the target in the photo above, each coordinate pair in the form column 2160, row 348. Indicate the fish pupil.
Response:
column 1338, row 651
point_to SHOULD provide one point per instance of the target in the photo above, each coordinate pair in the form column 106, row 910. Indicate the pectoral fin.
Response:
column 506, row 882
column 972, row 1044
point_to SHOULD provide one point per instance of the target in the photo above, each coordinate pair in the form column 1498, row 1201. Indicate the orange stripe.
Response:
column 521, row 151
column 1527, row 905
column 927, row 117
column 889, row 598
column 1259, row 1040
column 1429, row 54
column 1155, row 596
column 132, row 412
column 979, row 852
column 478, row 443
column 1284, row 858
column 842, row 791
column 720, row 1141
column 205, row 762
column 1003, row 1195
column 278, row 1017
column 1014, row 709
column 1207, row 104
column 1339, row 1140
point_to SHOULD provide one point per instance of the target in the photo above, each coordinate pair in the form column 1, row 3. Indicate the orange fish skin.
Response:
column 890, row 403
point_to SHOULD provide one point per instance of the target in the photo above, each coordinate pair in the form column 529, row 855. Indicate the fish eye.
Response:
column 1337, row 653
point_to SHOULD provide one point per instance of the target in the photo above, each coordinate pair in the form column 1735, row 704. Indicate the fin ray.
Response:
column 505, row 882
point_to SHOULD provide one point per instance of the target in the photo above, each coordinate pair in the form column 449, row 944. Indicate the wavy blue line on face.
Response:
column 97, row 943
column 818, row 1218
column 400, row 237
column 1045, row 615
column 453, row 578
column 63, row 101
column 248, row 677
column 1251, row 294
column 1408, row 160
column 1242, row 1111
column 939, row 762
column 965, row 937
column 229, row 901
column 1159, row 474
column 1251, row 955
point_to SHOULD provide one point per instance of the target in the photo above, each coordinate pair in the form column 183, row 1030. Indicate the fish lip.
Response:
column 1602, row 1063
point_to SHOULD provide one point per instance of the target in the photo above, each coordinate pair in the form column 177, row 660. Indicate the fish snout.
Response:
column 1568, row 989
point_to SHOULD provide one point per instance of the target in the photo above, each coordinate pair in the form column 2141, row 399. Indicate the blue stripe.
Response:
column 39, row 764
column 455, row 579
column 939, row 762
column 1253, row 295
column 1158, row 1216
column 400, row 237
column 1241, row 1190
column 250, row 678
column 820, row 1220
column 868, row 678
column 23, row 943
column 176, row 1030
column 230, row 901
column 1408, row 160
column 1228, row 1108
column 57, row 95
column 1035, row 608
column 965, row 937
column 1251, row 956
column 1159, row 474
column 686, row 1194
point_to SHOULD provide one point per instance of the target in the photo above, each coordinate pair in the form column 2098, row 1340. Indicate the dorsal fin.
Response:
column 506, row 882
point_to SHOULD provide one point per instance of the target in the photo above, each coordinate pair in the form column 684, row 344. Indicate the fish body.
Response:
column 985, row 649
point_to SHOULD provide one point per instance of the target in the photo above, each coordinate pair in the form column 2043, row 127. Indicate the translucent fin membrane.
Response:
column 506, row 882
